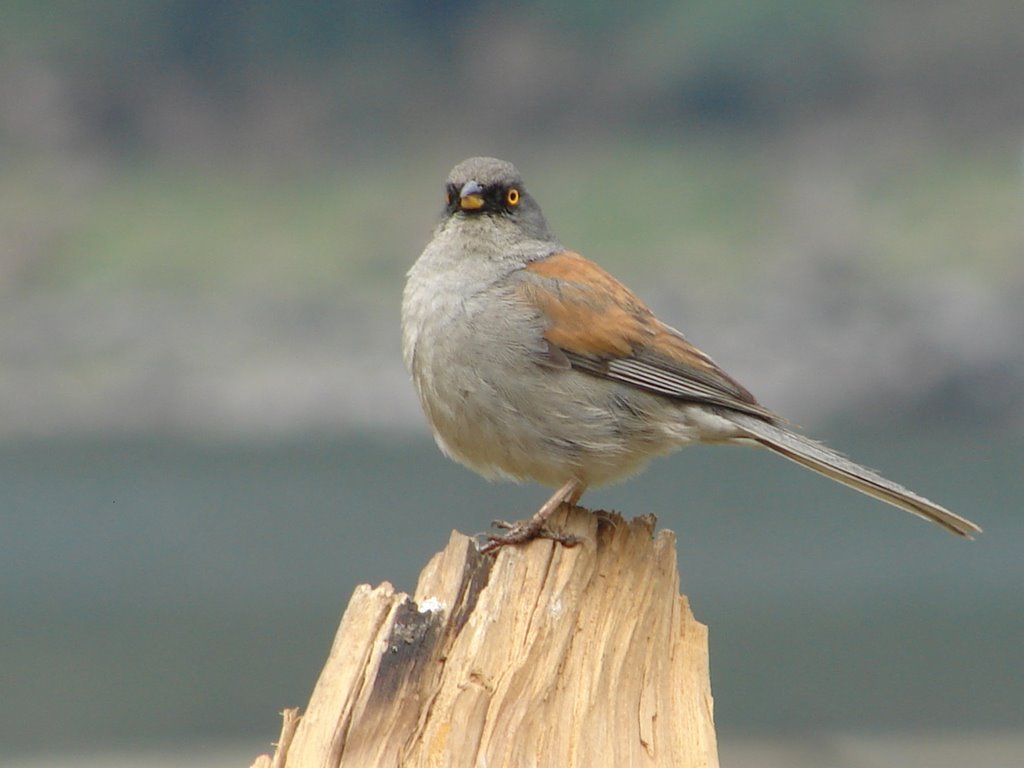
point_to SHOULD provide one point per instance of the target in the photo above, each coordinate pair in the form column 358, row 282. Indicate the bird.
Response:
column 533, row 363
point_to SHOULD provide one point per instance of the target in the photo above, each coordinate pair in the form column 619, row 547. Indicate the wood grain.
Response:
column 541, row 656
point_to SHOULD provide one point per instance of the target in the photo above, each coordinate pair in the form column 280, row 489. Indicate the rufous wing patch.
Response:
column 592, row 315
column 588, row 311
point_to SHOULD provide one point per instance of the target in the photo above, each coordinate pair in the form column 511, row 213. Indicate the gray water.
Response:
column 155, row 591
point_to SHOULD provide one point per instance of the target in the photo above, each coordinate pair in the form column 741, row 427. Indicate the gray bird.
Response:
column 532, row 362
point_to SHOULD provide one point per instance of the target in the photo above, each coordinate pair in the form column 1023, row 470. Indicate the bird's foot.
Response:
column 522, row 532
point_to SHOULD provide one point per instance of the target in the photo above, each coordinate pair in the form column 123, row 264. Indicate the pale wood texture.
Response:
column 541, row 656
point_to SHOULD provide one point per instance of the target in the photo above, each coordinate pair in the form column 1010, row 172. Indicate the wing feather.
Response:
column 603, row 329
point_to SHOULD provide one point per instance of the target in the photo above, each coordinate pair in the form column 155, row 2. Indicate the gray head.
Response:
column 492, row 188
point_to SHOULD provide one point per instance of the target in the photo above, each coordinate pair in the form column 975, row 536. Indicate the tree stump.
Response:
column 583, row 657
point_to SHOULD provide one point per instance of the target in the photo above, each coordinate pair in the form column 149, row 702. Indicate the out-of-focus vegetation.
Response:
column 212, row 163
column 320, row 76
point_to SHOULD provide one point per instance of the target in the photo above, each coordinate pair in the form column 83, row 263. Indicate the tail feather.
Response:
column 825, row 461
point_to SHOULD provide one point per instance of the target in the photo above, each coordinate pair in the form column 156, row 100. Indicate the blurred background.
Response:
column 207, row 438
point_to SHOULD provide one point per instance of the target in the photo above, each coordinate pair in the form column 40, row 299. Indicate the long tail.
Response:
column 827, row 462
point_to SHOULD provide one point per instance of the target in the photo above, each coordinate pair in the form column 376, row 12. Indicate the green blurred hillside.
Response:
column 213, row 137
column 229, row 193
column 372, row 74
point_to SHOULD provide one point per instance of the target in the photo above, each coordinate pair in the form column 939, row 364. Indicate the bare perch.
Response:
column 541, row 656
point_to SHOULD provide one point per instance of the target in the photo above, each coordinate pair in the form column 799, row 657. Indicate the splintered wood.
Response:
column 541, row 656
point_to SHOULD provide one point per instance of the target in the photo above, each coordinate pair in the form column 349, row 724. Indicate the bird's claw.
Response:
column 520, row 533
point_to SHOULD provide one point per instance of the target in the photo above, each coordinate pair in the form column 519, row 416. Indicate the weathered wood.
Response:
column 542, row 656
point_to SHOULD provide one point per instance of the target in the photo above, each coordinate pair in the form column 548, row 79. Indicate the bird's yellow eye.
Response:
column 512, row 196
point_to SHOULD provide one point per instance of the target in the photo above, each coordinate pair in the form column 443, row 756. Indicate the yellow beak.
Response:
column 471, row 197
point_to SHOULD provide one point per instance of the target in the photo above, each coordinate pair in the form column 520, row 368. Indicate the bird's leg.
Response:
column 534, row 528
